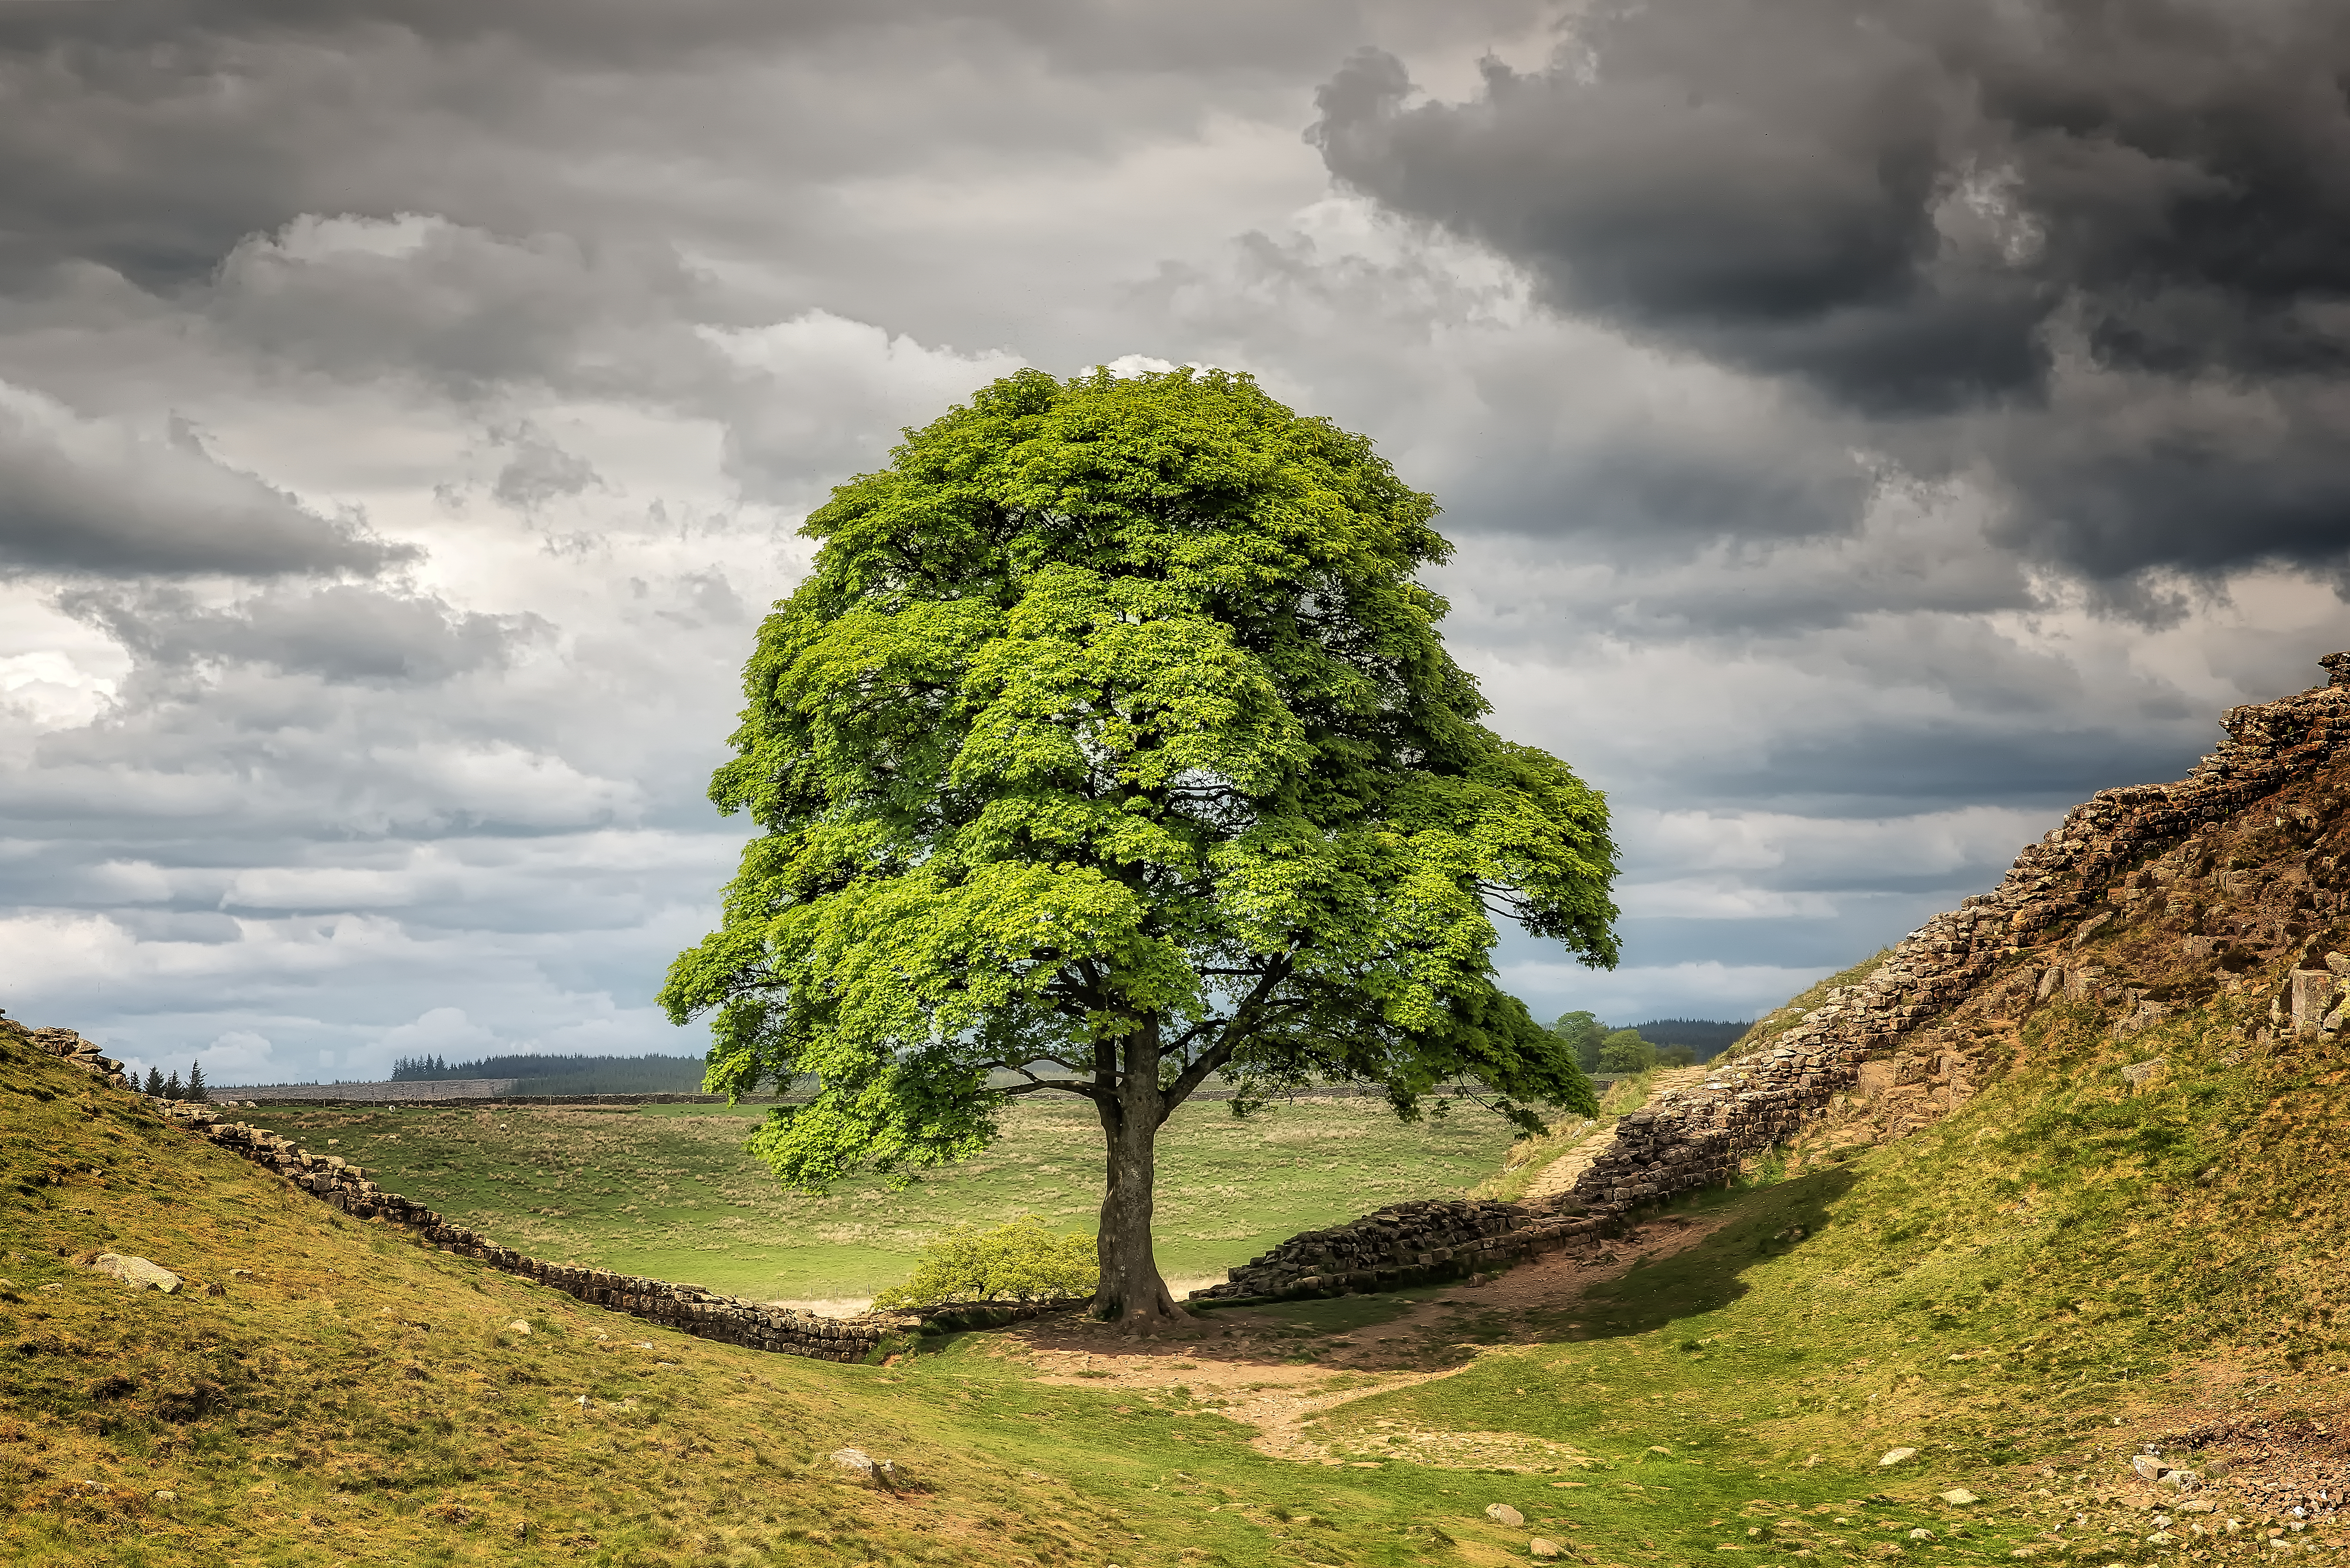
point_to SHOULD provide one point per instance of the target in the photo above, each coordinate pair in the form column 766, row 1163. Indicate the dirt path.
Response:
column 1277, row 1369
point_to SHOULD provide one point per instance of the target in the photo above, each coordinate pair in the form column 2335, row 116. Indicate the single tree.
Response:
column 1625, row 1052
column 197, row 1090
column 1109, row 746
column 155, row 1082
column 172, row 1085
column 1582, row 1032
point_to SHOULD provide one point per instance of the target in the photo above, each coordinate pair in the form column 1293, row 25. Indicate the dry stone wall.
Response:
column 1864, row 1039
column 2058, row 893
column 1410, row 1244
column 689, row 1309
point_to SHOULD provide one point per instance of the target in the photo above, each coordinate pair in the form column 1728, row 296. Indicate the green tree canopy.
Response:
column 1625, row 1052
column 1582, row 1032
column 1108, row 746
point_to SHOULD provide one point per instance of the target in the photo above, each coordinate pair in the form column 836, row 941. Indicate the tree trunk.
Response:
column 1131, row 1293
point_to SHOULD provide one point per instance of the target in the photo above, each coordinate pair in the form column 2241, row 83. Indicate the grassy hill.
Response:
column 667, row 1191
column 2059, row 1274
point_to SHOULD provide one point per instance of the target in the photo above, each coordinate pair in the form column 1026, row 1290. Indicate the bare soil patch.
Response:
column 1276, row 1367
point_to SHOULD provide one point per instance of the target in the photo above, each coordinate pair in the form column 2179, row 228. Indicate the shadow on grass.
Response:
column 1770, row 1222
column 1665, row 1281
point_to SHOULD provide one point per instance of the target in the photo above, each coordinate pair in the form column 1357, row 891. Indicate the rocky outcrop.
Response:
column 81, row 1053
column 334, row 1180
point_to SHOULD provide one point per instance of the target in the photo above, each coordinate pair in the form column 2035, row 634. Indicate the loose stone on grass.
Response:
column 136, row 1272
column 1502, row 1513
column 1895, row 1456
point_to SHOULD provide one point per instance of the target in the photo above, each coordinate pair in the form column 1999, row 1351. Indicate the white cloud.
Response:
column 443, row 1031
column 524, row 363
column 1636, row 994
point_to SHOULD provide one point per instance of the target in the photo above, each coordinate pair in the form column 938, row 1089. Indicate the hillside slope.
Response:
column 323, row 1388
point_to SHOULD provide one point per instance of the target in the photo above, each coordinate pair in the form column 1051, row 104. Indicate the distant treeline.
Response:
column 566, row 1074
column 1635, row 1048
column 1707, row 1037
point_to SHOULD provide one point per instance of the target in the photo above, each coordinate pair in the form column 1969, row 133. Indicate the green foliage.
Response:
column 1624, row 1052
column 1584, row 1032
column 1676, row 1057
column 1022, row 1261
column 1706, row 1037
column 1110, row 743
column 197, row 1089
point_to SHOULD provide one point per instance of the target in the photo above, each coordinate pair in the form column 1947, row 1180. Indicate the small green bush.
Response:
column 1022, row 1261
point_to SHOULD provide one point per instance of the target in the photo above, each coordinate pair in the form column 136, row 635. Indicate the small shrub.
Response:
column 1022, row 1261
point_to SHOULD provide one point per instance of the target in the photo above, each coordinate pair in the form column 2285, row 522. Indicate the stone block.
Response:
column 2311, row 992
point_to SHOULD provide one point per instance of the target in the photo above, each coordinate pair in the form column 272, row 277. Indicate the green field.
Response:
column 667, row 1191
column 2065, row 1272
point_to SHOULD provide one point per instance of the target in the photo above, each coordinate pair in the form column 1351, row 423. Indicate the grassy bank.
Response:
column 2062, row 1273
column 667, row 1191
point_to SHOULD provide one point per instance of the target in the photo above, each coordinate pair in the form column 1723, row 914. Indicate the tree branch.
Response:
column 1068, row 1086
column 1065, row 1085
column 1222, row 1051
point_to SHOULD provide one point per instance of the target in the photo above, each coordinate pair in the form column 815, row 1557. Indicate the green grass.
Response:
column 667, row 1191
column 2027, row 1291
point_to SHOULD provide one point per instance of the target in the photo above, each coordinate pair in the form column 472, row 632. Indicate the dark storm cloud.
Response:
column 2053, row 237
column 341, row 633
column 149, row 136
column 80, row 497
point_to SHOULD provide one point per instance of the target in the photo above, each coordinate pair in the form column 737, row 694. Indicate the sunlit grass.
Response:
column 667, row 1191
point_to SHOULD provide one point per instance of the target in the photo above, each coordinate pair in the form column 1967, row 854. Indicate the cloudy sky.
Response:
column 1868, row 427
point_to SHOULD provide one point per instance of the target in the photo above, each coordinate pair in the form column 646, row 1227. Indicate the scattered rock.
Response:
column 2183, row 1480
column 2148, row 1467
column 1895, row 1456
column 1921, row 1535
column 167, row 1497
column 517, row 1326
column 1959, row 1496
column 136, row 1272
column 1502, row 1513
column 859, row 1463
column 1542, row 1548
